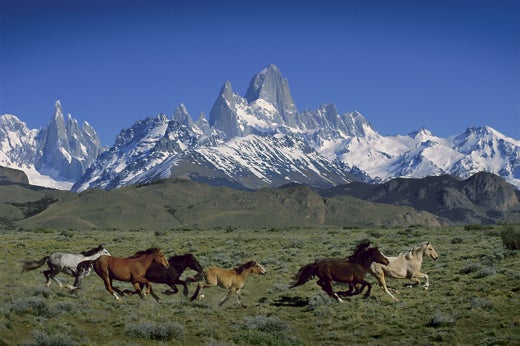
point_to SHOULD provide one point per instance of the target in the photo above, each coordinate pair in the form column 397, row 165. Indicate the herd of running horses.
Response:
column 145, row 267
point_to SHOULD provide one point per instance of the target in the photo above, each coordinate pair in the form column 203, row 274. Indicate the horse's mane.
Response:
column 145, row 252
column 412, row 251
column 245, row 266
column 92, row 251
column 359, row 251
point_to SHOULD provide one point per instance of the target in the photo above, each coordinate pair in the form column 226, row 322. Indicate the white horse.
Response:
column 66, row 263
column 405, row 266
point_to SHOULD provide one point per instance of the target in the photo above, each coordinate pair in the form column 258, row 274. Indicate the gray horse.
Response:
column 66, row 263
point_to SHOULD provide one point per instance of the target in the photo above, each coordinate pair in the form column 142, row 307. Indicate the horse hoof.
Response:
column 425, row 288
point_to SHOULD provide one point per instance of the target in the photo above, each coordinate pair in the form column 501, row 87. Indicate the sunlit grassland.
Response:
column 473, row 297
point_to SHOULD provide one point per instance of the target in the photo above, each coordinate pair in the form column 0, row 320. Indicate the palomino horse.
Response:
column 66, row 263
column 232, row 279
column 171, row 275
column 350, row 270
column 131, row 269
column 405, row 266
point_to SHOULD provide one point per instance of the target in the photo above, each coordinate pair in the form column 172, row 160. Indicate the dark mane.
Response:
column 245, row 266
column 359, row 251
column 145, row 252
column 92, row 251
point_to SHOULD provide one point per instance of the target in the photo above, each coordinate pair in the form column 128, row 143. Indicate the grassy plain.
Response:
column 473, row 297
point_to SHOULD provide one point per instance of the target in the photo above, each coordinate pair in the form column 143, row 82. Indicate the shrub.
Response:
column 41, row 338
column 265, row 323
column 470, row 268
column 482, row 273
column 264, row 330
column 36, row 306
column 157, row 331
column 440, row 319
column 511, row 238
column 457, row 240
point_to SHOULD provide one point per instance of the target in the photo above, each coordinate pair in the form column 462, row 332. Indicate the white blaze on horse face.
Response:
column 262, row 269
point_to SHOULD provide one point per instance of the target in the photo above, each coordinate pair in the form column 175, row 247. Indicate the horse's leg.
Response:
column 198, row 292
column 108, row 286
column 369, row 288
column 417, row 281
column 379, row 274
column 50, row 275
column 155, row 296
column 77, row 283
column 184, row 287
column 230, row 293
column 239, row 299
column 327, row 287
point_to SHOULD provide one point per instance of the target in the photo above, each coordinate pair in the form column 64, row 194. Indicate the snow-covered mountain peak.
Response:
column 270, row 86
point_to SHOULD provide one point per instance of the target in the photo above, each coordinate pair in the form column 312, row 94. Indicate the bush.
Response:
column 41, row 338
column 264, row 330
column 35, row 306
column 511, row 238
column 440, row 319
column 265, row 323
column 157, row 331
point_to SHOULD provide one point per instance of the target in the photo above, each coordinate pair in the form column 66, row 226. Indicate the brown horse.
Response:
column 131, row 269
column 232, row 279
column 350, row 270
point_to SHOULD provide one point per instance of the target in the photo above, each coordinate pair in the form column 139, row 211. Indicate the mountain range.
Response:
column 249, row 142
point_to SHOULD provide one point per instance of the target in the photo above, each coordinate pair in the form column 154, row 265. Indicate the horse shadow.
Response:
column 289, row 301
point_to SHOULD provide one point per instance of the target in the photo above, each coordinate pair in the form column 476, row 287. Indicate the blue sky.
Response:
column 443, row 65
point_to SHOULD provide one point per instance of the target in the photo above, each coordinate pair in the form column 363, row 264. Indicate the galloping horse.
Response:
column 66, row 263
column 170, row 276
column 131, row 269
column 232, row 279
column 350, row 270
column 405, row 266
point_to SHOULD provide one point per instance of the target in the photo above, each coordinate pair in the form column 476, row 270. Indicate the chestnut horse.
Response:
column 131, row 269
column 351, row 270
column 232, row 279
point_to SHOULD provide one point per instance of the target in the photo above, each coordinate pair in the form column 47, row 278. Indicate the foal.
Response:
column 232, row 279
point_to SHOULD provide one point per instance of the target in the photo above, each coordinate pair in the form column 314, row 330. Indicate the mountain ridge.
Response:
column 258, row 140
column 484, row 198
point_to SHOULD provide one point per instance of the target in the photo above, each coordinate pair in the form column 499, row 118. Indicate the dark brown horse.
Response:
column 351, row 270
column 171, row 275
column 131, row 269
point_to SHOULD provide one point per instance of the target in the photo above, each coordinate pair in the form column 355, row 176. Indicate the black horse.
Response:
column 171, row 275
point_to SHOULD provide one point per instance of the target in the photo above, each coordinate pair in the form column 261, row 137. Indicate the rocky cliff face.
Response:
column 10, row 176
column 62, row 151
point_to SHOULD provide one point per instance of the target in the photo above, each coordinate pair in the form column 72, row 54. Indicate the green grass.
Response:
column 473, row 297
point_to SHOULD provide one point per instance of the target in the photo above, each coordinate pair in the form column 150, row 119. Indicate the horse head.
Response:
column 160, row 259
column 430, row 251
column 253, row 267
column 103, row 251
column 377, row 256
column 258, row 269
column 194, row 264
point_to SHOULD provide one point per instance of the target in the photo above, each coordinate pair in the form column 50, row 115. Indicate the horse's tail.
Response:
column 305, row 273
column 31, row 265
